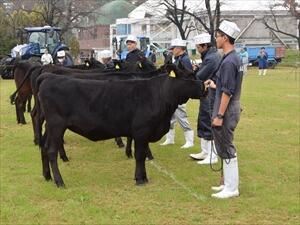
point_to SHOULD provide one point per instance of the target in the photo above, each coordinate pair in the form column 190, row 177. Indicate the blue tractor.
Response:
column 38, row 39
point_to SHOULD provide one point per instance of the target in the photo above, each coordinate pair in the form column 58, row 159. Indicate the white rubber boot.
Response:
column 211, row 157
column 189, row 139
column 231, row 180
column 170, row 136
column 203, row 153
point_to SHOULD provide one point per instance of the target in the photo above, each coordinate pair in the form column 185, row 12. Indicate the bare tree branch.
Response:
column 292, row 8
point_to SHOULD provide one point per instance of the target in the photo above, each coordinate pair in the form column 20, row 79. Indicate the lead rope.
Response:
column 212, row 141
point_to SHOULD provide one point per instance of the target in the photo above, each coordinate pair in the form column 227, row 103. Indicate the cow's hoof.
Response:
column 47, row 177
column 64, row 158
column 129, row 154
column 36, row 142
column 141, row 182
column 60, row 184
column 121, row 145
column 150, row 158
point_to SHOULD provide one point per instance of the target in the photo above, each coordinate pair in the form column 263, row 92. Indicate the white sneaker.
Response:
column 218, row 188
column 199, row 156
column 207, row 161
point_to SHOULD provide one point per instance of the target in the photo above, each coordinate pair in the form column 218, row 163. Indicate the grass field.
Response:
column 99, row 178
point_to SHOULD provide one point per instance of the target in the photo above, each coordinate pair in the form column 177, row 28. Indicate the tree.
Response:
column 12, row 23
column 292, row 9
column 74, row 46
column 209, row 17
column 67, row 14
column 176, row 13
column 179, row 12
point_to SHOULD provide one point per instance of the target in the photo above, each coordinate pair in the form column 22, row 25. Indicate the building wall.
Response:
column 95, row 37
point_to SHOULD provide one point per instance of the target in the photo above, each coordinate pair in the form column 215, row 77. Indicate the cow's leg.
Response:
column 17, row 110
column 20, row 107
column 45, row 159
column 55, row 137
column 140, row 157
column 119, row 142
column 29, row 103
column 128, row 150
column 149, row 154
column 62, row 152
column 34, row 116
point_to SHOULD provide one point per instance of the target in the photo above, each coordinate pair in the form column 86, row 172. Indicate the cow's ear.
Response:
column 172, row 74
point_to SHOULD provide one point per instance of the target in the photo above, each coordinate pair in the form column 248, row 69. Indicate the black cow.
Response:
column 95, row 74
column 100, row 110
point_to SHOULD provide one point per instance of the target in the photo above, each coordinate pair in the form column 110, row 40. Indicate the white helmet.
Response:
column 178, row 43
column 229, row 28
column 131, row 38
column 61, row 53
column 203, row 38
column 105, row 54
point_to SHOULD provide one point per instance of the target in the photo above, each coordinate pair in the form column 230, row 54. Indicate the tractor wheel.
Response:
column 6, row 67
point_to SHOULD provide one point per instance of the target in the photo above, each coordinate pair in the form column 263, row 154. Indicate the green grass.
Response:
column 291, row 58
column 99, row 178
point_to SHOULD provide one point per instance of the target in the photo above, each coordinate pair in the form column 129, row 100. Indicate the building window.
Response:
column 123, row 29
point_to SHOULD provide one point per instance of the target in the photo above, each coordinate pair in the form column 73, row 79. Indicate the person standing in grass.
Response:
column 262, row 62
column 210, row 62
column 178, row 47
column 226, row 110
column 244, row 60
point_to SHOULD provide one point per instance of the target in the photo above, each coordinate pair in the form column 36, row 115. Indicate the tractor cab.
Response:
column 44, row 38
column 37, row 40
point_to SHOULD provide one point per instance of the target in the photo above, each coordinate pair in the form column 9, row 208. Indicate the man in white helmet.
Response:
column 178, row 47
column 106, row 59
column 226, row 111
column 210, row 62
column 62, row 60
column 134, row 54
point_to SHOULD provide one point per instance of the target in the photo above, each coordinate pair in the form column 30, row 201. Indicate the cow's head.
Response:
column 179, row 71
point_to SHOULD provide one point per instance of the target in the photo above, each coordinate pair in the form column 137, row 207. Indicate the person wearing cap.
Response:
column 62, row 60
column 134, row 54
column 226, row 110
column 106, row 59
column 178, row 48
column 46, row 58
column 210, row 62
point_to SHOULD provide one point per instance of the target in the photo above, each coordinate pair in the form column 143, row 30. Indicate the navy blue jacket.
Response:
column 185, row 60
column 210, row 62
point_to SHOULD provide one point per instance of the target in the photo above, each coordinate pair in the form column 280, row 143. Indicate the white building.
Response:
column 148, row 19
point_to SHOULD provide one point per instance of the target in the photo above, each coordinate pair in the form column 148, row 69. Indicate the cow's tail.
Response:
column 28, row 73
